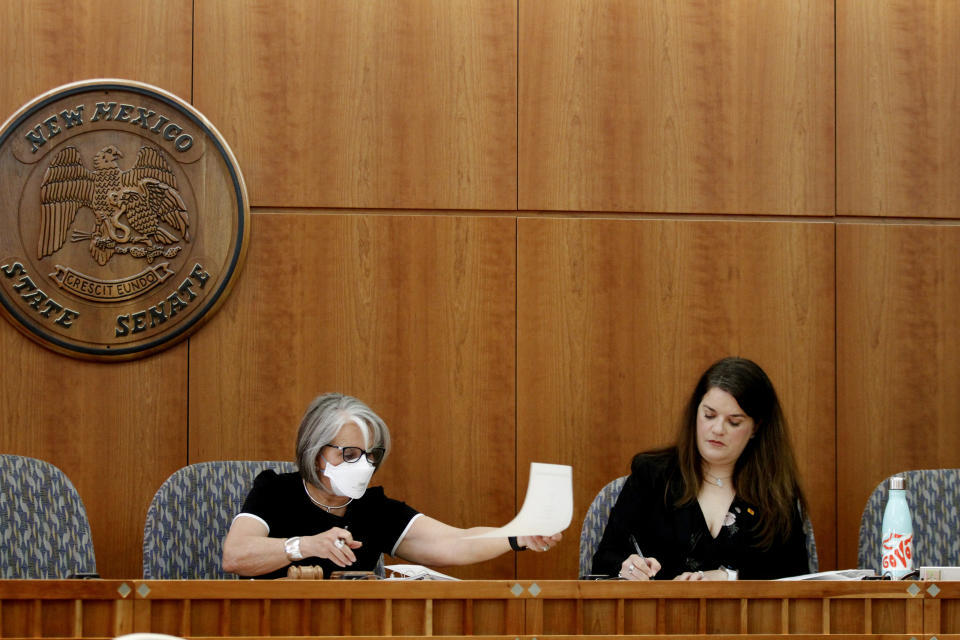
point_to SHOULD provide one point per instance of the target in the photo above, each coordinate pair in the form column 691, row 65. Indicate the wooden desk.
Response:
column 492, row 609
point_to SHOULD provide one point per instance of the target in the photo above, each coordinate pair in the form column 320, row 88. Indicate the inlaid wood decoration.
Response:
column 123, row 219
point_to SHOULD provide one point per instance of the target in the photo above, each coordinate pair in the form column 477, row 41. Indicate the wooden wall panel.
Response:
column 116, row 430
column 898, row 359
column 335, row 103
column 413, row 314
column 617, row 319
column 898, row 122
column 667, row 106
column 45, row 43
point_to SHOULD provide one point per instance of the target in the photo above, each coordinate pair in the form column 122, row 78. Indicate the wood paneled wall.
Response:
column 520, row 229
column 407, row 104
column 713, row 106
column 898, row 125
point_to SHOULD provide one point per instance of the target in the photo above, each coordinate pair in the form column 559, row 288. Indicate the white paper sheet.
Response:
column 414, row 572
column 845, row 574
column 548, row 506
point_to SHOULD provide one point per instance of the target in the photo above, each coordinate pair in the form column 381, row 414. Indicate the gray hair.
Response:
column 323, row 420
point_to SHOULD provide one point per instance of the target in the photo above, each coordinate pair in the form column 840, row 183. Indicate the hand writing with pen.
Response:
column 638, row 567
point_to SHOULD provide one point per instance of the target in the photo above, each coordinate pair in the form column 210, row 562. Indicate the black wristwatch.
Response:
column 513, row 544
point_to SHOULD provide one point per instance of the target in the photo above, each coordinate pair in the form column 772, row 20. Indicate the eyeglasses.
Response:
column 352, row 454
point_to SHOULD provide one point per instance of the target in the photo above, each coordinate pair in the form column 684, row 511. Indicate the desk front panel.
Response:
column 65, row 608
column 491, row 609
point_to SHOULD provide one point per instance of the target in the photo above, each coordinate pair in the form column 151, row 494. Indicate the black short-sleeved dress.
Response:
column 679, row 538
column 281, row 502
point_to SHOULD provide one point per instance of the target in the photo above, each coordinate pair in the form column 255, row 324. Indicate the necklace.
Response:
column 715, row 481
column 327, row 507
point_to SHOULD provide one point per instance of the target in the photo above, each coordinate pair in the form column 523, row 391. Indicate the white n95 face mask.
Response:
column 350, row 479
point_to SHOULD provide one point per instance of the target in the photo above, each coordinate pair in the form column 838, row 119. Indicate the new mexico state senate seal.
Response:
column 123, row 219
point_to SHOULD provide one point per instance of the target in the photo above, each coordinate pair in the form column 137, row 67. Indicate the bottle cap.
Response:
column 898, row 482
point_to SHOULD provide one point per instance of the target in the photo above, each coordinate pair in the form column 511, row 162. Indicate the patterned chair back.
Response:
column 599, row 512
column 44, row 532
column 190, row 515
column 813, row 560
column 596, row 521
column 934, row 499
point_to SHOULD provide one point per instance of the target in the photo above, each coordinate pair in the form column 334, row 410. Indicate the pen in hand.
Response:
column 645, row 569
column 339, row 542
column 636, row 546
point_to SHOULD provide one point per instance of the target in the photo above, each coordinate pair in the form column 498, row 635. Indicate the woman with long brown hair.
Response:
column 723, row 502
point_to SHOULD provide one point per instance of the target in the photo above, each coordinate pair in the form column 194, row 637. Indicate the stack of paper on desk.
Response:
column 940, row 573
column 414, row 572
column 847, row 574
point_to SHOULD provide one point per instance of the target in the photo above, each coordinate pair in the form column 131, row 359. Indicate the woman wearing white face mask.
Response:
column 326, row 515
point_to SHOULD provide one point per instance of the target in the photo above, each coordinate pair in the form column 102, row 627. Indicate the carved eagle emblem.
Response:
column 138, row 212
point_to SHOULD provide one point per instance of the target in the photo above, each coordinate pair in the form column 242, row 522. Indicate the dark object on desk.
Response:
column 354, row 575
column 599, row 576
column 85, row 576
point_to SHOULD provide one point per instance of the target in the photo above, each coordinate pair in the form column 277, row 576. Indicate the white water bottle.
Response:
column 896, row 538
